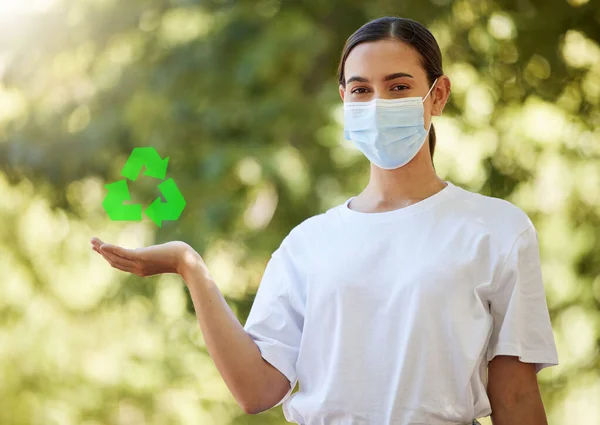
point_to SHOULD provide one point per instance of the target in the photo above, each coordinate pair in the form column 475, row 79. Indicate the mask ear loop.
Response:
column 430, row 121
column 432, row 86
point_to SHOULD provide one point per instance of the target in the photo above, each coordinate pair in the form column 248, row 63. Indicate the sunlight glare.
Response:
column 11, row 10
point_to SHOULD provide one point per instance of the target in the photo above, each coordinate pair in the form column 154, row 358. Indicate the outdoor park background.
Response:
column 242, row 97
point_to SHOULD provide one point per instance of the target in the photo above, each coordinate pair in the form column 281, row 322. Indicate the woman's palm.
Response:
column 147, row 261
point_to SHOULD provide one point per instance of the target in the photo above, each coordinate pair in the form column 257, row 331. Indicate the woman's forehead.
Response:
column 380, row 58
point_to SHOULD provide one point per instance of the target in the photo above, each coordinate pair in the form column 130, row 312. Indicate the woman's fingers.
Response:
column 109, row 258
column 101, row 246
column 111, row 254
column 128, row 260
column 120, row 263
column 96, row 242
column 128, row 254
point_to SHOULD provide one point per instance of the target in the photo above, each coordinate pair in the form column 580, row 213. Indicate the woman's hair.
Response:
column 407, row 31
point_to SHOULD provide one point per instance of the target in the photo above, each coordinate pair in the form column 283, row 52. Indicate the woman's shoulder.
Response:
column 312, row 231
column 307, row 228
column 499, row 215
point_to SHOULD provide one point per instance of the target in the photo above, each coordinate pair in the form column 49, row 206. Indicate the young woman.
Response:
column 414, row 302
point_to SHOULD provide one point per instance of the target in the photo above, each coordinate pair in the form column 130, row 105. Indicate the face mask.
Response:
column 389, row 132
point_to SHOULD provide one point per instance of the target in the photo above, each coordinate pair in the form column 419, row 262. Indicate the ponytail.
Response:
column 432, row 143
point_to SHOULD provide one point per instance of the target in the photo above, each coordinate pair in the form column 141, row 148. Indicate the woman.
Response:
column 414, row 302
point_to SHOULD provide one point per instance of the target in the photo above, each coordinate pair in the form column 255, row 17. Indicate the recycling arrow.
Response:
column 140, row 156
column 159, row 211
column 113, row 203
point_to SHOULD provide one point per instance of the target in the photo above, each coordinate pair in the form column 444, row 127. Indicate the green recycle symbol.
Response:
column 158, row 211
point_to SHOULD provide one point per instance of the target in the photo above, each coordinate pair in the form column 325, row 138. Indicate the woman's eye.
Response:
column 400, row 87
column 358, row 90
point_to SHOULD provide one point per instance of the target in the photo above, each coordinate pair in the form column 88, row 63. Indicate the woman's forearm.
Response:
column 527, row 410
column 514, row 393
column 235, row 354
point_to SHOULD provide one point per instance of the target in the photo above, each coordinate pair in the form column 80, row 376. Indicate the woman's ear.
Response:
column 441, row 93
column 342, row 91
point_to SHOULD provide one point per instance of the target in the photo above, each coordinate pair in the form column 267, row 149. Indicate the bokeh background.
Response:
column 241, row 95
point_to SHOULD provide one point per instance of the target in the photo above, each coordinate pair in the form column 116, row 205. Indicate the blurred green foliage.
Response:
column 242, row 96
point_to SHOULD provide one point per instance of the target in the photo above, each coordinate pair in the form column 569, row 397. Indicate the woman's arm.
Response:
column 514, row 393
column 255, row 384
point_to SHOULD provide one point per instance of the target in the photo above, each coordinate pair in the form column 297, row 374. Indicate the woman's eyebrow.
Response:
column 397, row 75
column 357, row 78
column 386, row 78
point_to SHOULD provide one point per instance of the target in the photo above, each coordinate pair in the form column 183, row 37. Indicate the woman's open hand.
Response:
column 170, row 257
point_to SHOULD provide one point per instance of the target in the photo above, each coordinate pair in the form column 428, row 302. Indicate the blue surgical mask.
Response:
column 389, row 132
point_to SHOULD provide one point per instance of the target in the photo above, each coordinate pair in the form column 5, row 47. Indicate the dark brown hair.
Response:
column 407, row 31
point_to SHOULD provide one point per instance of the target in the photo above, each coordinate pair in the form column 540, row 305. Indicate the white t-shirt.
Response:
column 392, row 317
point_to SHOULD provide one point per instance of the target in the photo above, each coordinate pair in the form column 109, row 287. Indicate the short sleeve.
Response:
column 521, row 321
column 276, row 318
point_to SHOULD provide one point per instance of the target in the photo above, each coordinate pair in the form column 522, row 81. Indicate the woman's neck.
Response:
column 393, row 189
